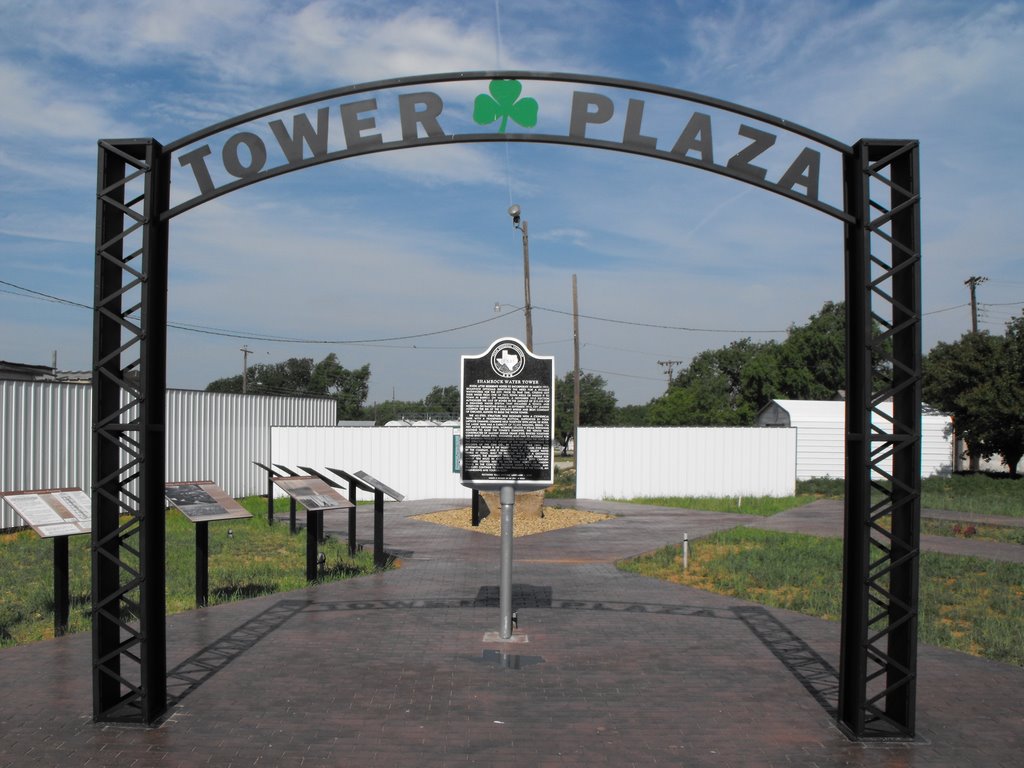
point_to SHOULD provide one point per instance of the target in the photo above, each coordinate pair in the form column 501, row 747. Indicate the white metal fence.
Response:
column 46, row 442
column 415, row 461
column 633, row 462
column 46, row 436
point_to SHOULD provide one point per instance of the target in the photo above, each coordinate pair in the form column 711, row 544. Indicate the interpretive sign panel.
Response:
column 312, row 493
column 379, row 486
column 508, row 417
column 59, row 512
column 203, row 500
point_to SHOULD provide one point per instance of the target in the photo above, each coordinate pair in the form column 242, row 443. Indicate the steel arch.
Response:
column 878, row 653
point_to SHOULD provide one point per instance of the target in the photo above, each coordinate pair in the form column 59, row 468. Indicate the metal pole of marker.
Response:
column 508, row 502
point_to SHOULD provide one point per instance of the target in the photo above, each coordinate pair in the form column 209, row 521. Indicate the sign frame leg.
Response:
column 508, row 503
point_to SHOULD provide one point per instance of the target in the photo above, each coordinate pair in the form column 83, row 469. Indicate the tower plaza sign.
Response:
column 277, row 147
column 872, row 186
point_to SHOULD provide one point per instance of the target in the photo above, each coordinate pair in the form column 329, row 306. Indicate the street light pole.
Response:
column 520, row 223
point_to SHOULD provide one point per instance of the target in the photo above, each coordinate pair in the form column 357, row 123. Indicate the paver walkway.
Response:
column 392, row 670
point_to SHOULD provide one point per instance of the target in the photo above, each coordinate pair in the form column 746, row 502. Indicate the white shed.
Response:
column 821, row 436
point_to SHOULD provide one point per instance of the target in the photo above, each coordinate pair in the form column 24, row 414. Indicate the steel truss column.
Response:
column 878, row 654
column 129, row 382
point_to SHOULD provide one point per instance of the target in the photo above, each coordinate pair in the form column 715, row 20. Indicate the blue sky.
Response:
column 381, row 248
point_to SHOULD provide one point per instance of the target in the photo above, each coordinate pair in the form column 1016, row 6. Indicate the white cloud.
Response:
column 38, row 107
column 401, row 242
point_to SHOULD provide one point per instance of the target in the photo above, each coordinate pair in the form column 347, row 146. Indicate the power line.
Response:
column 251, row 336
column 623, row 375
column 945, row 309
column 209, row 331
column 663, row 327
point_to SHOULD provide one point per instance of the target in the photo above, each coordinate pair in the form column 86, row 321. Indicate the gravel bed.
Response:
column 553, row 519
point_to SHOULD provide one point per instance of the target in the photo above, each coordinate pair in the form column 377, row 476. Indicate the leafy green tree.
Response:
column 725, row 385
column 443, row 400
column 597, row 404
column 760, row 379
column 349, row 387
column 812, row 359
column 439, row 402
column 228, row 385
column 301, row 377
column 390, row 410
column 979, row 380
column 728, row 386
column 631, row 416
column 676, row 408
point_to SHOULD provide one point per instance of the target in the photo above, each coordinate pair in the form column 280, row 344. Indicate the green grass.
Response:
column 763, row 506
column 965, row 530
column 565, row 484
column 967, row 604
column 977, row 493
column 256, row 559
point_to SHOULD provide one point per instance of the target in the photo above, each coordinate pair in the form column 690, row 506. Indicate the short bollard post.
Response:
column 686, row 550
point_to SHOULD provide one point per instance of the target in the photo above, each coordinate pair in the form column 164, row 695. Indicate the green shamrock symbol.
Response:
column 505, row 104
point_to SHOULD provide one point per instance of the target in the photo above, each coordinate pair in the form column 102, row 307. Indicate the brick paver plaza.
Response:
column 393, row 670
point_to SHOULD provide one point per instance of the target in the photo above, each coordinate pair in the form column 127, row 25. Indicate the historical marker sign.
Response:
column 312, row 493
column 203, row 501
column 508, row 417
column 58, row 512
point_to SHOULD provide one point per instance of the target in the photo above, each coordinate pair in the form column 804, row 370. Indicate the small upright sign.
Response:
column 508, row 418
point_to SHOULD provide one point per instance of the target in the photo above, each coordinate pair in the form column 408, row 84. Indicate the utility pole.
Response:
column 972, row 283
column 576, row 365
column 245, row 367
column 669, row 365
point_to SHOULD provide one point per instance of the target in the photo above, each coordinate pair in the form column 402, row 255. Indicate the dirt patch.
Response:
column 554, row 519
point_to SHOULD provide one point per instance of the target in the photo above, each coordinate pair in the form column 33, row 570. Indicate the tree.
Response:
column 725, row 385
column 631, row 415
column 301, row 377
column 597, row 404
column 440, row 402
column 729, row 386
column 390, row 410
column 676, row 408
column 812, row 360
column 979, row 380
column 443, row 401
column 349, row 388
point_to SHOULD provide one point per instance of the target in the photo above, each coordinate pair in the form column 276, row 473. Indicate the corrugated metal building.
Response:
column 821, row 436
column 46, row 436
